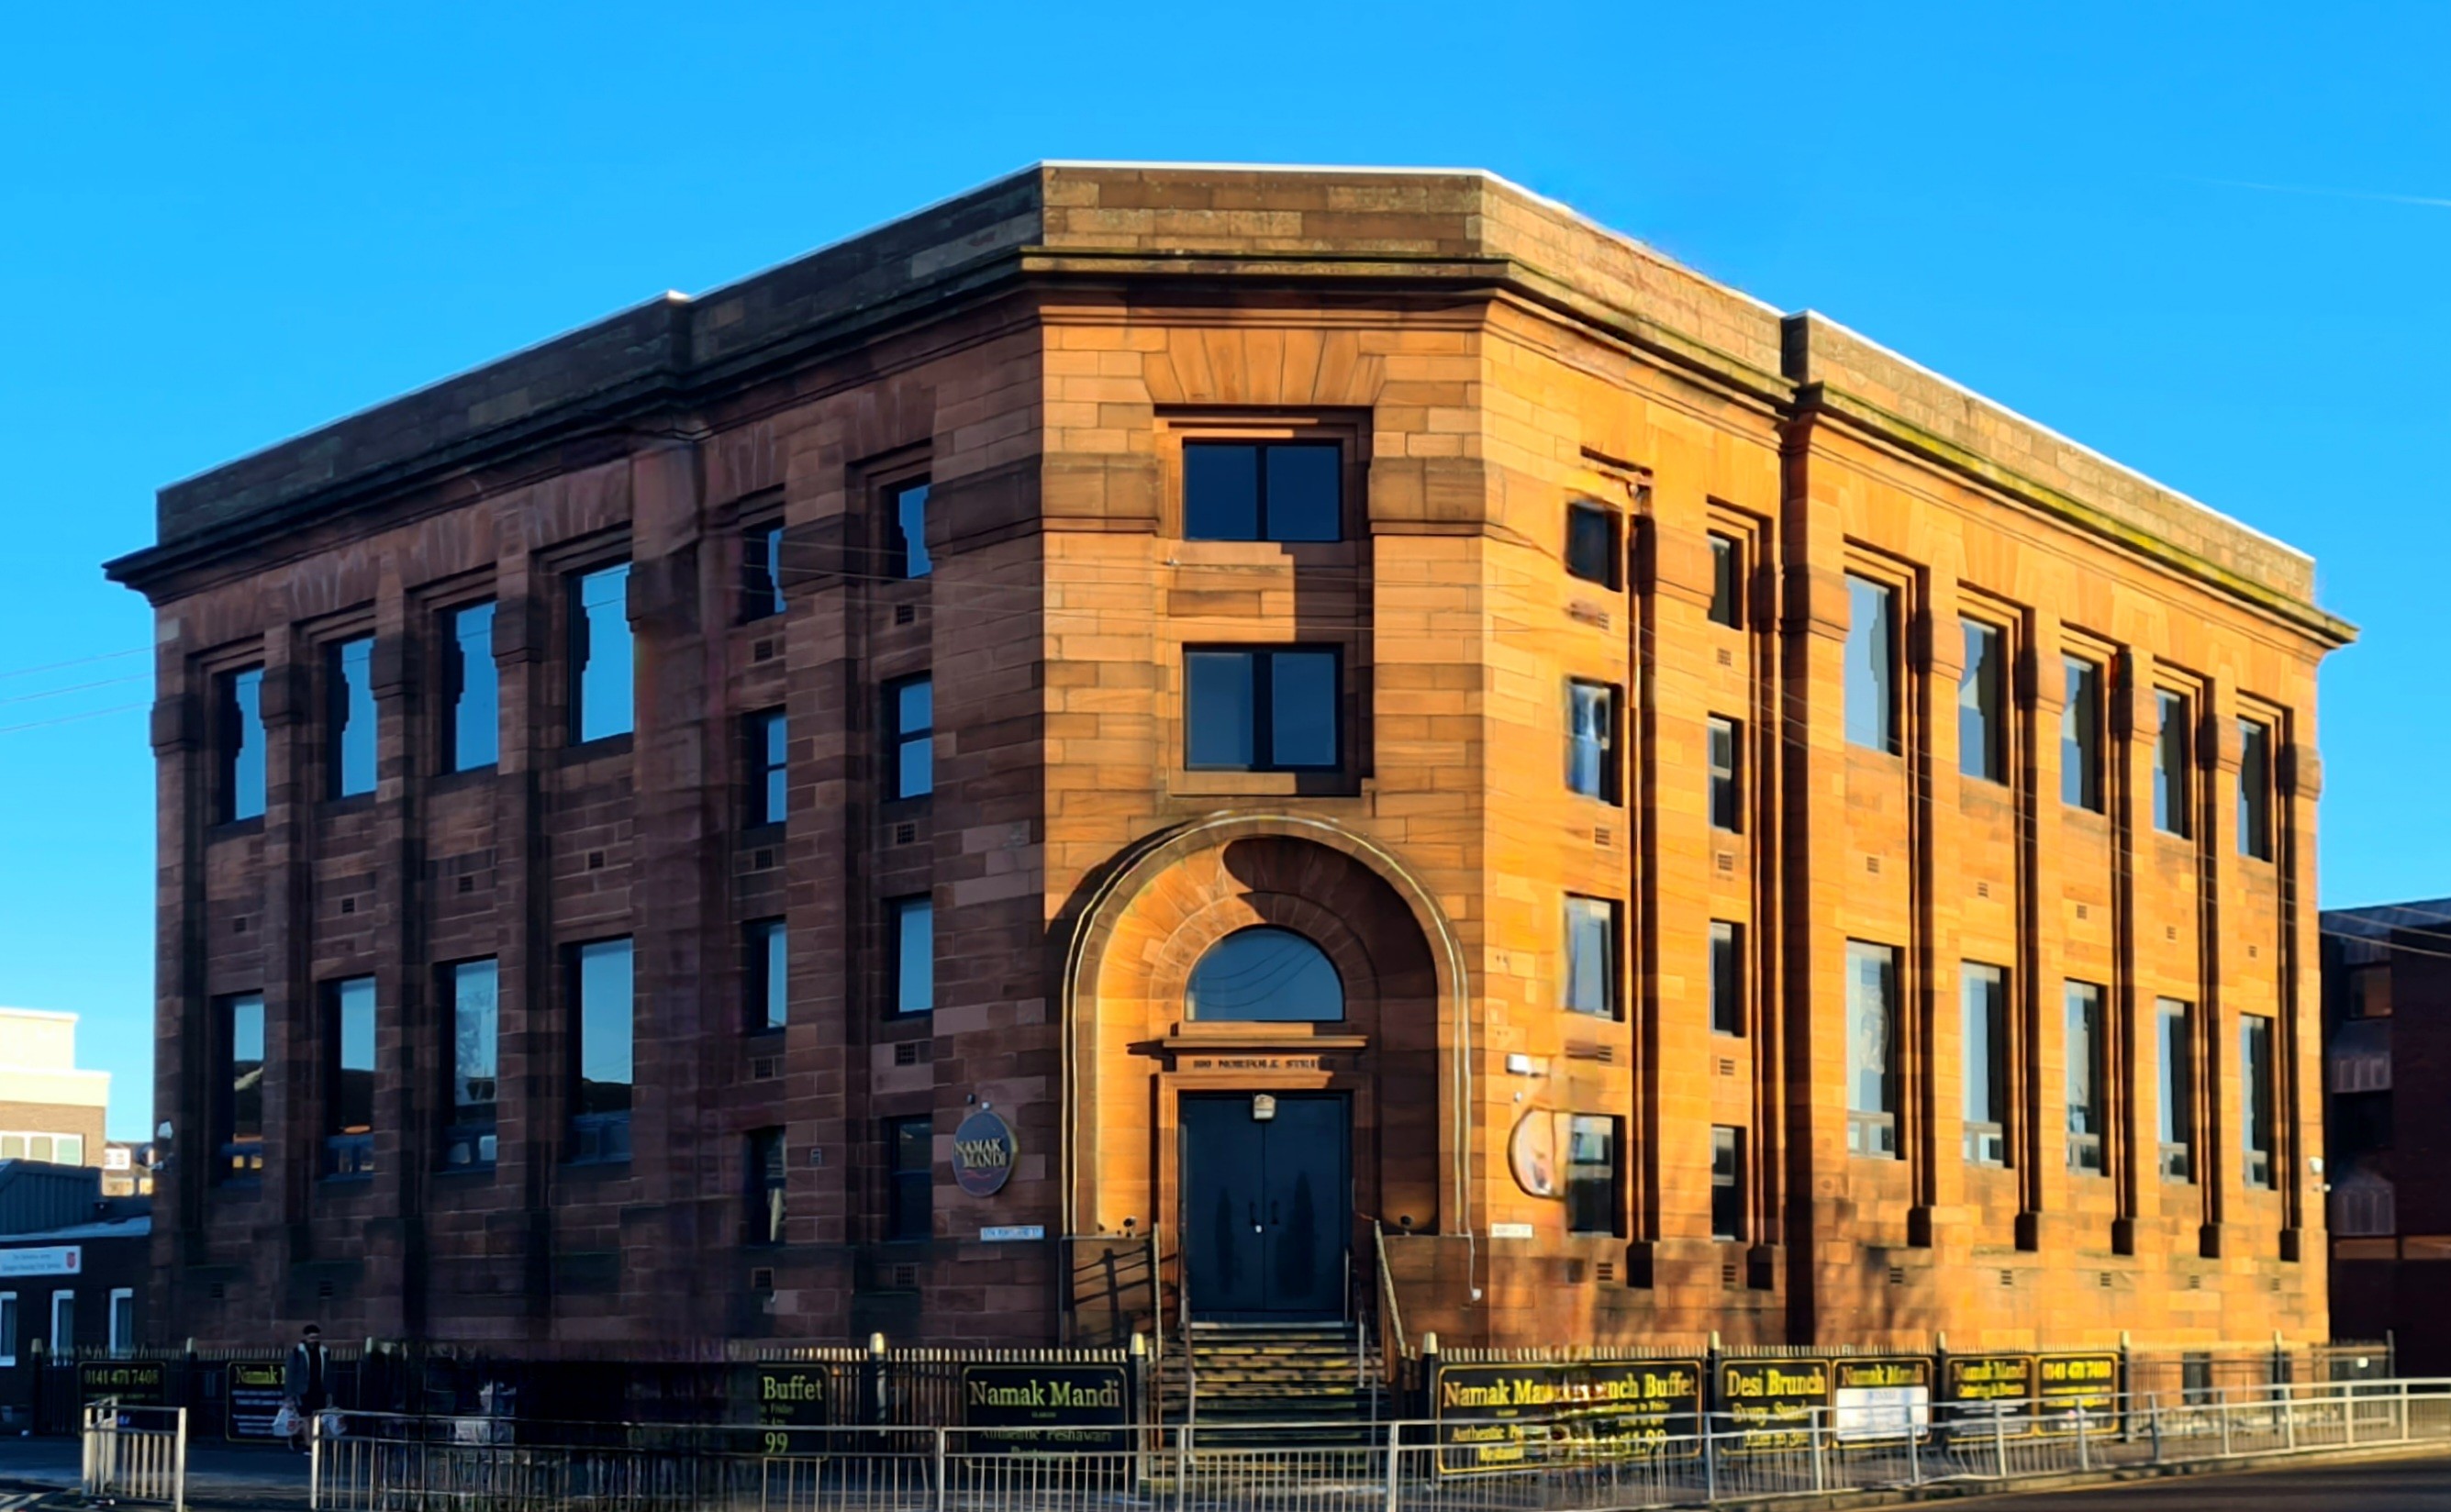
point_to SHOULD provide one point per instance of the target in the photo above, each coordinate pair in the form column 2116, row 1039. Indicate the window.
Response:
column 474, row 991
column 122, row 1320
column 2255, row 789
column 2369, row 990
column 1982, row 705
column 1590, row 955
column 761, row 570
column 1591, row 1175
column 1263, row 491
column 8, row 1327
column 238, row 746
column 911, row 723
column 2081, row 735
column 911, row 531
column 914, row 953
column 763, row 737
column 1871, row 665
column 1261, row 711
column 770, row 975
column 1591, row 740
column 2174, row 755
column 1985, row 994
column 603, row 1025
column 349, row 1077
column 2177, row 1086
column 1727, row 1182
column 1265, row 974
column 1591, row 545
column 349, row 718
column 2255, row 1071
column 1727, row 792
column 911, row 1153
column 2087, row 1121
column 1727, row 582
column 70, row 1149
column 240, row 1035
column 764, row 1167
column 1872, row 1050
column 1726, row 978
column 2362, row 1206
column 62, row 1320
column 471, row 690
column 601, row 683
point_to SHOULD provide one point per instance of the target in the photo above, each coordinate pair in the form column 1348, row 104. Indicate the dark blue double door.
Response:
column 1267, row 1205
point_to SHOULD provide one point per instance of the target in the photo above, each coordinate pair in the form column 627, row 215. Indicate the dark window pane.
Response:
column 606, row 1023
column 1591, row 1175
column 769, row 774
column 1727, row 792
column 2173, row 757
column 1218, row 725
column 914, row 955
column 911, row 1154
column 1727, row 979
column 1872, row 1050
column 2255, row 789
column 1727, row 1182
column 2255, row 1071
column 911, row 714
column 1726, row 599
column 471, row 692
column 2086, row 1124
column 239, row 1099
column 601, row 681
column 241, row 734
column 2176, row 1105
column 1265, row 975
column 1221, row 491
column 1982, row 721
column 2081, row 737
column 352, row 1107
column 1591, row 957
column 1591, row 545
column 1301, row 706
column 770, row 975
column 1591, row 740
column 349, row 674
column 1986, row 1008
column 1305, row 492
column 911, row 530
column 1871, row 665
column 761, row 571
column 475, row 1038
column 765, row 1166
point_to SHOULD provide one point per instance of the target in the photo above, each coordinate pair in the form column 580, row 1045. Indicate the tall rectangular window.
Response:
column 1727, row 582
column 1983, row 705
column 1872, row 1050
column 761, row 570
column 474, row 992
column 911, row 726
column 2173, row 762
column 349, row 718
column 1984, row 990
column 1590, row 955
column 914, row 923
column 603, row 684
column 1727, row 787
column 603, row 1025
column 1871, row 665
column 1592, row 551
column 911, row 530
column 1726, row 978
column 62, row 1320
column 238, row 746
column 1263, row 491
column 2255, row 1076
column 763, row 737
column 2086, row 1118
column 240, row 1084
column 122, row 1320
column 2174, row 1037
column 910, row 1175
column 472, row 734
column 1261, row 711
column 2081, row 735
column 764, row 1165
column 1591, row 740
column 349, row 1077
column 1727, row 1182
column 1591, row 1175
column 2255, row 789
column 8, row 1327
column 770, row 975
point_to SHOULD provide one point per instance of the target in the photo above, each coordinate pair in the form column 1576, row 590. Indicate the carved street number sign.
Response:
column 1508, row 1417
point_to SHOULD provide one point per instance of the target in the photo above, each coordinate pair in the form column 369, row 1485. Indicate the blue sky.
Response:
column 222, row 226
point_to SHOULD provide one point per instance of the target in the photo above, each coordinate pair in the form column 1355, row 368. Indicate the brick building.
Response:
column 1270, row 707
column 50, row 1110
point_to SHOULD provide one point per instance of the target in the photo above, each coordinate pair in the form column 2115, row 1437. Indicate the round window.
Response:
column 1265, row 974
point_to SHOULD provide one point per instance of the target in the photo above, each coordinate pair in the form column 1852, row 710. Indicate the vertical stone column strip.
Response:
column 2218, row 750
column 2297, row 1062
column 2038, row 995
column 291, row 1041
column 2126, row 1036
column 396, row 1236
column 1937, row 1176
column 525, row 1143
column 1671, row 902
column 182, row 1011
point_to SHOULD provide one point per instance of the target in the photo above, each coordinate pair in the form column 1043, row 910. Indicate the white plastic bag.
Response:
column 287, row 1424
column 330, row 1425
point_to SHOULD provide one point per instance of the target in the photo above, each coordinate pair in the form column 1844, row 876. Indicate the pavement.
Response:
column 2370, row 1485
column 218, row 1474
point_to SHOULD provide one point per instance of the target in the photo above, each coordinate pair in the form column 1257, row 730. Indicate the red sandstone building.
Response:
column 1349, row 729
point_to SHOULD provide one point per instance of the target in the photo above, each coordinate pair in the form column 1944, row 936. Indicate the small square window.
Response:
column 765, row 741
column 1727, row 577
column 910, row 725
column 1591, row 1175
column 1727, row 979
column 1591, row 957
column 909, row 505
column 349, row 718
column 1261, row 711
column 1983, row 705
column 2255, row 791
column 769, row 962
column 1592, row 551
column 914, row 922
column 1290, row 491
column 1591, row 740
column 2174, row 760
column 1727, row 791
column 761, row 570
column 1727, row 1182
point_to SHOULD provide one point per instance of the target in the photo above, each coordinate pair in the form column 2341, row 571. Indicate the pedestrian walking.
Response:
column 303, row 1384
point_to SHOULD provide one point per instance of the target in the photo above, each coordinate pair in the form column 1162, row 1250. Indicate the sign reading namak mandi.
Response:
column 1046, row 1407
column 984, row 1151
column 1510, row 1417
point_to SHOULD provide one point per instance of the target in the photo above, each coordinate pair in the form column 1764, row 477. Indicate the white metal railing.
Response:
column 135, row 1454
column 1585, row 1463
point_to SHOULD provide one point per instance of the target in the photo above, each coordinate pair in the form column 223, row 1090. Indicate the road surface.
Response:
column 2374, row 1486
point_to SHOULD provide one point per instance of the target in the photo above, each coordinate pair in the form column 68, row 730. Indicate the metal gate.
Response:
column 136, row 1454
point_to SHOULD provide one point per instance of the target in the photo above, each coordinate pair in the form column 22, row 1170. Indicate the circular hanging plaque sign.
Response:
column 984, row 1150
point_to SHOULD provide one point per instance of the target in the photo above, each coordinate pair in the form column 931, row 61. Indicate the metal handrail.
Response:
column 1157, row 1314
column 1391, row 1319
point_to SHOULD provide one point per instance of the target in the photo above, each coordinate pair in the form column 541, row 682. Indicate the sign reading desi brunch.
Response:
column 984, row 1150
column 1511, row 1416
column 1046, row 1407
column 1773, row 1403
